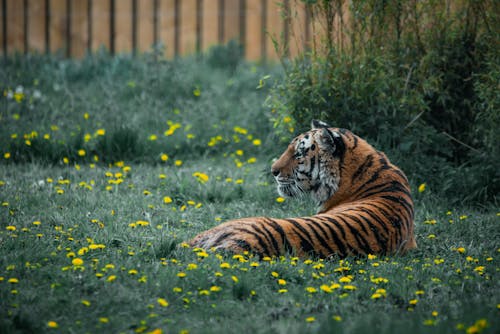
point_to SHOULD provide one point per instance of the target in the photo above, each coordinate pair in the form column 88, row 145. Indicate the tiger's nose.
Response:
column 275, row 172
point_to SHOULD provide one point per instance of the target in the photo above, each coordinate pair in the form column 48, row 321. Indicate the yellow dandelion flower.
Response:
column 280, row 199
column 77, row 261
column 311, row 289
column 256, row 142
column 162, row 302
column 281, row 281
column 421, row 188
column 310, row 319
column 52, row 324
column 167, row 199
column 164, row 157
column 202, row 177
column 111, row 278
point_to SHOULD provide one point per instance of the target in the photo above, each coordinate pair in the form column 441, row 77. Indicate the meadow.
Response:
column 109, row 164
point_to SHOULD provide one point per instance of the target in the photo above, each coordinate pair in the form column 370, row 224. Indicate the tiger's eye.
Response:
column 313, row 147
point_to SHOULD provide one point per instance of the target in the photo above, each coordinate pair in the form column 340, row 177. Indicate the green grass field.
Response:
column 109, row 164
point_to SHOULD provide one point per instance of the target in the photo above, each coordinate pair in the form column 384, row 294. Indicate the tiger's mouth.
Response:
column 288, row 188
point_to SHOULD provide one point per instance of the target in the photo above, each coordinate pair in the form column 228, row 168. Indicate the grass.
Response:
column 92, row 243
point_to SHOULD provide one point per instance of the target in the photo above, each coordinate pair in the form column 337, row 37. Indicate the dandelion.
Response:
column 162, row 302
column 215, row 288
column 153, row 137
column 111, row 278
column 282, row 291
column 310, row 319
column 6, row 155
column 421, row 188
column 167, row 200
column 86, row 302
column 256, row 142
column 181, row 274
column 77, row 262
column 349, row 287
column 178, row 163
column 164, row 157
column 280, row 199
column 281, row 281
column 52, row 324
column 345, row 279
column 311, row 289
column 103, row 320
column 202, row 177
column 13, row 280
column 11, row 228
column 100, row 132
column 235, row 279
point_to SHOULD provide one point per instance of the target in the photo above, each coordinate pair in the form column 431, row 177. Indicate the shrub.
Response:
column 419, row 81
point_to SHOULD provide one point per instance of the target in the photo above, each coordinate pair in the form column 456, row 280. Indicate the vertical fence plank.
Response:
column 36, row 26
column 187, row 27
column 79, row 28
column 297, row 24
column 15, row 26
column 101, row 24
column 210, row 23
column 231, row 20
column 57, row 26
column 274, row 29
column 166, row 26
column 3, row 26
column 145, row 26
column 254, row 30
column 123, row 30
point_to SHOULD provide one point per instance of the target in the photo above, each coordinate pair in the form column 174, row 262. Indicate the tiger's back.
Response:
column 365, row 205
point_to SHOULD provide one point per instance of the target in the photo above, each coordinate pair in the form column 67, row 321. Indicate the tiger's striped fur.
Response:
column 365, row 205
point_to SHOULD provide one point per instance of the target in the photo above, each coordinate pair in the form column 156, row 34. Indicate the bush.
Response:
column 420, row 82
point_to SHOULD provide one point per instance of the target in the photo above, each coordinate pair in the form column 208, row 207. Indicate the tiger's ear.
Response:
column 316, row 124
column 328, row 139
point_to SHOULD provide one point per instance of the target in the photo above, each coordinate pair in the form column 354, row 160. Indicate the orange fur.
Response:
column 365, row 205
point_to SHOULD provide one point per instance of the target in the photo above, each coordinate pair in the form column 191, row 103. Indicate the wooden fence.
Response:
column 75, row 27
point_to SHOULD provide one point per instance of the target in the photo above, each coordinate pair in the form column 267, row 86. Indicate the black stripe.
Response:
column 271, row 236
column 362, row 243
column 400, row 200
column 381, row 240
column 265, row 234
column 371, row 227
column 363, row 167
column 223, row 236
column 393, row 234
column 340, row 244
column 376, row 218
column 393, row 186
column 246, row 246
column 286, row 243
column 313, row 225
column 374, row 177
column 306, row 245
column 259, row 238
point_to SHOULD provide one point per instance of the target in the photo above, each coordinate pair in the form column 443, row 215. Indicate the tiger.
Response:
column 364, row 203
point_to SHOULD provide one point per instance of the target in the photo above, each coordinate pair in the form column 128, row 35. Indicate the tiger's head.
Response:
column 311, row 163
